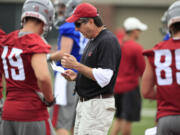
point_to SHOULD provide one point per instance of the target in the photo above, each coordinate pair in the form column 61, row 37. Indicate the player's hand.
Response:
column 49, row 104
column 69, row 61
column 70, row 75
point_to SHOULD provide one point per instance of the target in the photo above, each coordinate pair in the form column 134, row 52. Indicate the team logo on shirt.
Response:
column 89, row 54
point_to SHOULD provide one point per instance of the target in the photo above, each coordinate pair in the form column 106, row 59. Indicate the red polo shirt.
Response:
column 131, row 67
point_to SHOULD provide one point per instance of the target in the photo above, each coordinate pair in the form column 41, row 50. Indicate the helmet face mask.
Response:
column 40, row 9
column 64, row 9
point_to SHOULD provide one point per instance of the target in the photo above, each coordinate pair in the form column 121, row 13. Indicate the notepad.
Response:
column 57, row 68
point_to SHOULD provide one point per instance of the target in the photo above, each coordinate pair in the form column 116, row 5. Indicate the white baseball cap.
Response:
column 132, row 23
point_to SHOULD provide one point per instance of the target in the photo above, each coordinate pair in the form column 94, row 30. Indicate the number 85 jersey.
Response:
column 22, row 102
column 165, row 61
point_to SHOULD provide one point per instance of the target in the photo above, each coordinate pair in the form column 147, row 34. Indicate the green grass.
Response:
column 138, row 128
column 149, row 104
column 147, row 118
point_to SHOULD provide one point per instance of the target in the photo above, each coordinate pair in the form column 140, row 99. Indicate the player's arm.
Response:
column 66, row 47
column 40, row 66
column 148, row 85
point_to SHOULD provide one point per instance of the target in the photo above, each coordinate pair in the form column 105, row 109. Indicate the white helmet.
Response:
column 173, row 13
column 164, row 17
column 40, row 9
column 66, row 7
column 164, row 21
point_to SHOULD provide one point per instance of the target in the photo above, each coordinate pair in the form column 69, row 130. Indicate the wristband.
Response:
column 49, row 104
column 48, row 57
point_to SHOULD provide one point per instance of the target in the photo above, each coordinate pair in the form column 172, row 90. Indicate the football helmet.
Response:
column 40, row 9
column 63, row 9
column 164, row 29
column 173, row 13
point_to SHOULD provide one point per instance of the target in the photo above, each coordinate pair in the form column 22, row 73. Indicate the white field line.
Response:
column 147, row 112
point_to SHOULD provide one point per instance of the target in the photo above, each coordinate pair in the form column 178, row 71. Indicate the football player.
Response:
column 126, row 90
column 162, row 71
column 2, row 35
column 28, row 81
column 72, row 42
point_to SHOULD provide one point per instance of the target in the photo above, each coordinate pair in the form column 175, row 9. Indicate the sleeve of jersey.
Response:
column 108, row 54
column 147, row 52
column 35, row 44
column 68, row 30
column 150, row 56
column 2, row 35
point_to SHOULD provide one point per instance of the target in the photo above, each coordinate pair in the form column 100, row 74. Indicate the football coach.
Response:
column 97, row 72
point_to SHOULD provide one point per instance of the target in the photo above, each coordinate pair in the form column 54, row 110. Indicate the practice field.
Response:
column 148, row 113
column 147, row 118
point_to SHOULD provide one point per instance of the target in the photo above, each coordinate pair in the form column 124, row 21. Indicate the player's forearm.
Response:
column 151, row 95
column 45, row 86
column 43, row 76
column 148, row 93
column 56, row 55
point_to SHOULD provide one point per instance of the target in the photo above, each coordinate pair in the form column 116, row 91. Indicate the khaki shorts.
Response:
column 94, row 117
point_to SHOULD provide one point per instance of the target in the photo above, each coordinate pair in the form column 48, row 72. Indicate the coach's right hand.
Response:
column 70, row 75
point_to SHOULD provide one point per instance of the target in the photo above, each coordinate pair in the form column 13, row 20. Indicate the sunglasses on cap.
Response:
column 80, row 21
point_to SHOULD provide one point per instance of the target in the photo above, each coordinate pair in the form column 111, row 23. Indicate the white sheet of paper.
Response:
column 57, row 68
column 151, row 131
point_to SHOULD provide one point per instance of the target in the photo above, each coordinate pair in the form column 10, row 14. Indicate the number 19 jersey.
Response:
column 2, row 36
column 165, row 61
column 22, row 102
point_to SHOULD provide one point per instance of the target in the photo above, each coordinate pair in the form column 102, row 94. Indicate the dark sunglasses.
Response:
column 80, row 21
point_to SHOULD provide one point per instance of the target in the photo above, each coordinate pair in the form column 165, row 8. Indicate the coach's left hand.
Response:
column 69, row 61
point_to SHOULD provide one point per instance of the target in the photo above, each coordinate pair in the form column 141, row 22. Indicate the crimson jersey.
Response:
column 22, row 102
column 1, row 88
column 131, row 67
column 165, row 60
column 2, row 35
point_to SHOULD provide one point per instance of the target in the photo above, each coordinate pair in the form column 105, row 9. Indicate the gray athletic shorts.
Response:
column 64, row 116
column 169, row 125
column 1, row 105
column 27, row 128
